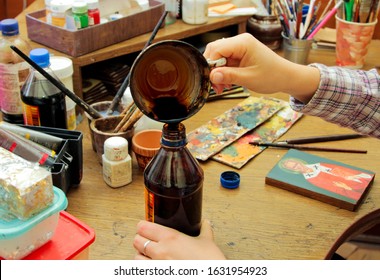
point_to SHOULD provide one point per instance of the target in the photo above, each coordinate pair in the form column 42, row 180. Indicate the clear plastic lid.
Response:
column 12, row 227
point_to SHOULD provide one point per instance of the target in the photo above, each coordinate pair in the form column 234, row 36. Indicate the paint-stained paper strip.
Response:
column 240, row 152
column 218, row 133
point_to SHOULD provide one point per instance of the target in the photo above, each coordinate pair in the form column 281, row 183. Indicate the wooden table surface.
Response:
column 255, row 221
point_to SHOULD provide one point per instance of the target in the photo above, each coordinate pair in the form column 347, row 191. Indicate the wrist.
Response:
column 303, row 82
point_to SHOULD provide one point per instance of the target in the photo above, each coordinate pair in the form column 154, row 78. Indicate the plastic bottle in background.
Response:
column 80, row 14
column 93, row 12
column 195, row 11
column 13, row 71
column 58, row 11
column 44, row 104
column 63, row 69
column 117, row 163
column 174, row 184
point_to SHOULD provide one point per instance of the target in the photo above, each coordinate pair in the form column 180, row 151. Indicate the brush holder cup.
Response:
column 170, row 81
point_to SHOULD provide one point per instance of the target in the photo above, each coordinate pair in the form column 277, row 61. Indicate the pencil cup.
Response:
column 296, row 50
column 352, row 42
column 102, row 129
column 101, row 107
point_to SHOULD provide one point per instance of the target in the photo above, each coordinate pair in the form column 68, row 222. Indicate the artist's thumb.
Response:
column 225, row 76
column 206, row 230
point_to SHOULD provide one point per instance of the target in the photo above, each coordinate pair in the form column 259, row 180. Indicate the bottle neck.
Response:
column 174, row 135
column 39, row 76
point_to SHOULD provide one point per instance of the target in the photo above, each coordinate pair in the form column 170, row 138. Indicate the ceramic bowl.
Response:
column 145, row 145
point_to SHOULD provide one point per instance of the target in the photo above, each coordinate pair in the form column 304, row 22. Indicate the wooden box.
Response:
column 86, row 40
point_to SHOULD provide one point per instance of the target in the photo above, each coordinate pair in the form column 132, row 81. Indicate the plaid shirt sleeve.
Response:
column 349, row 98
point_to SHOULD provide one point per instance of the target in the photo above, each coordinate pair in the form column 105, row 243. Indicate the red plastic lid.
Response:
column 71, row 237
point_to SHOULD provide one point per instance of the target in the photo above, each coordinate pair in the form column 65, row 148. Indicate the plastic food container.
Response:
column 18, row 238
column 71, row 241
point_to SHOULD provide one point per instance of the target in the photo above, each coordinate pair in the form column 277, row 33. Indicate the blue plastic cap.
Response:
column 230, row 179
column 9, row 27
column 40, row 56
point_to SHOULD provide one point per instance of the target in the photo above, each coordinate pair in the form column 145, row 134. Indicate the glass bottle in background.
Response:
column 174, row 184
column 13, row 71
column 80, row 14
column 44, row 104
column 93, row 12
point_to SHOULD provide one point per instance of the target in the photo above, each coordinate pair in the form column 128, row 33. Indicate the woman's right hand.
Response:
column 253, row 65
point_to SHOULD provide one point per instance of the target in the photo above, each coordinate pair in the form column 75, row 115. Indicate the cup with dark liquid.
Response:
column 170, row 81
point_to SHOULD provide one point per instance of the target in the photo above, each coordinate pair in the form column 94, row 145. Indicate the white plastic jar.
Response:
column 63, row 69
column 195, row 11
column 117, row 163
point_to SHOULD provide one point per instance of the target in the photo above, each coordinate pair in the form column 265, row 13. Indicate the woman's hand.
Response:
column 254, row 66
column 169, row 244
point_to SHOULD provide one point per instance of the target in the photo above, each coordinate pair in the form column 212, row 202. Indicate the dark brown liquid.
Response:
column 49, row 104
column 182, row 213
column 174, row 184
column 170, row 82
column 168, row 108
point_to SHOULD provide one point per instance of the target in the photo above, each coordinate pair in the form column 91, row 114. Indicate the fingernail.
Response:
column 217, row 78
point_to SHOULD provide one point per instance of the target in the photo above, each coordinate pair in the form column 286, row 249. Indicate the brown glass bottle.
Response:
column 174, row 184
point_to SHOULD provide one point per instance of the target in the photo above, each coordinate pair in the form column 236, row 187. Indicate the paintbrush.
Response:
column 91, row 111
column 310, row 148
column 125, row 83
column 315, row 139
column 225, row 93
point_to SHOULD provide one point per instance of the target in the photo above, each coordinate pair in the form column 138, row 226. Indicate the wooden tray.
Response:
column 83, row 41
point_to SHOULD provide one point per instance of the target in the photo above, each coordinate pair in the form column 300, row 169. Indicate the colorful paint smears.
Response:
column 218, row 133
column 240, row 152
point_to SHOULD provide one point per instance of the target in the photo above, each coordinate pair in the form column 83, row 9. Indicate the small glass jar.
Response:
column 80, row 15
column 267, row 29
column 58, row 11
column 93, row 12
